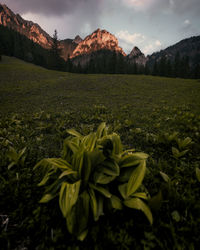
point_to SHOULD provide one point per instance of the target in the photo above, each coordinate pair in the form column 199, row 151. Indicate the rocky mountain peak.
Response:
column 135, row 52
column 98, row 40
column 31, row 30
column 136, row 56
column 77, row 39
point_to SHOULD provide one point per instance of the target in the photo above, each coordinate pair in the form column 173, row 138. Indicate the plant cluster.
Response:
column 94, row 173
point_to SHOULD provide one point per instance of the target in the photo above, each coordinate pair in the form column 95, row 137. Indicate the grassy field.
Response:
column 152, row 114
column 27, row 88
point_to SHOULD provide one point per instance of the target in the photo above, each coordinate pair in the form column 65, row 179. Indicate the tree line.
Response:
column 14, row 44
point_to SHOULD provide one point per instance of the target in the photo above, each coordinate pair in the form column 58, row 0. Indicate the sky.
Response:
column 151, row 25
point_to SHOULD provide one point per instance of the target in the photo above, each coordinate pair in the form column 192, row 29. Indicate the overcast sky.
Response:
column 151, row 25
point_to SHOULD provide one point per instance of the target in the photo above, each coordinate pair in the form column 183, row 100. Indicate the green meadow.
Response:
column 156, row 115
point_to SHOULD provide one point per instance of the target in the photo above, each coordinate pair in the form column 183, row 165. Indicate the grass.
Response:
column 28, row 88
column 36, row 108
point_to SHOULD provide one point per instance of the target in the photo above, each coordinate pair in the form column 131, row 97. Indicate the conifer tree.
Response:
column 56, row 51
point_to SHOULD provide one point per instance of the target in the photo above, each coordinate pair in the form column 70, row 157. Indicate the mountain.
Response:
column 31, row 30
column 34, row 32
column 189, row 48
column 92, row 46
column 98, row 40
column 137, row 57
column 97, row 52
column 68, row 46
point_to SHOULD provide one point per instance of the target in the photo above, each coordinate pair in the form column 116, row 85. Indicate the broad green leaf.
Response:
column 68, row 196
column 165, row 176
column 77, row 218
column 110, row 168
column 117, row 145
column 46, row 198
column 101, row 178
column 53, row 162
column 100, row 130
column 90, row 141
column 101, row 190
column 132, row 159
column 138, row 204
column 123, row 190
column 93, row 203
column 83, row 213
column 136, row 178
column 141, row 195
column 100, row 201
column 83, row 235
column 68, row 172
column 86, row 170
column 198, row 174
column 116, row 202
column 77, row 161
column 70, row 146
column 128, row 161
column 74, row 133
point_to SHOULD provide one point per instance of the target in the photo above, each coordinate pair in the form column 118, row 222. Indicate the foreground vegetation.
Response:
column 158, row 116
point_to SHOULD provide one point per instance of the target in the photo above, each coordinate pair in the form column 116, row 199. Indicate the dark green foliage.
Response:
column 152, row 114
column 177, row 67
column 14, row 44
column 94, row 174
column 180, row 60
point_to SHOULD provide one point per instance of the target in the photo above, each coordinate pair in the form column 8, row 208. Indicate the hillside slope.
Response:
column 26, row 88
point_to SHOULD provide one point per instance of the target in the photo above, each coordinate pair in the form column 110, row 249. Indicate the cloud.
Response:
column 52, row 7
column 163, row 6
column 128, row 38
column 72, row 16
column 147, row 45
column 186, row 23
column 139, row 5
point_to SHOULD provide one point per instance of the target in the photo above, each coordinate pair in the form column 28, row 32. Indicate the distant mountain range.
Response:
column 81, row 50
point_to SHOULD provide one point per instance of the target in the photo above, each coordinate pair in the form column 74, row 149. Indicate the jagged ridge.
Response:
column 98, row 40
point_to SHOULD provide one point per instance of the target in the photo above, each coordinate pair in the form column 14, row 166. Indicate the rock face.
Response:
column 32, row 30
column 67, row 46
column 98, row 40
column 136, row 56
column 80, row 51
column 77, row 39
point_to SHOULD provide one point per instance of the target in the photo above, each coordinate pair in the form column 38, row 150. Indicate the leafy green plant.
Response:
column 16, row 158
column 94, row 174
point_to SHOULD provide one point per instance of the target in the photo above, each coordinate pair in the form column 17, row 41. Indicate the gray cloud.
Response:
column 163, row 6
column 183, row 6
column 53, row 7
column 81, row 15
